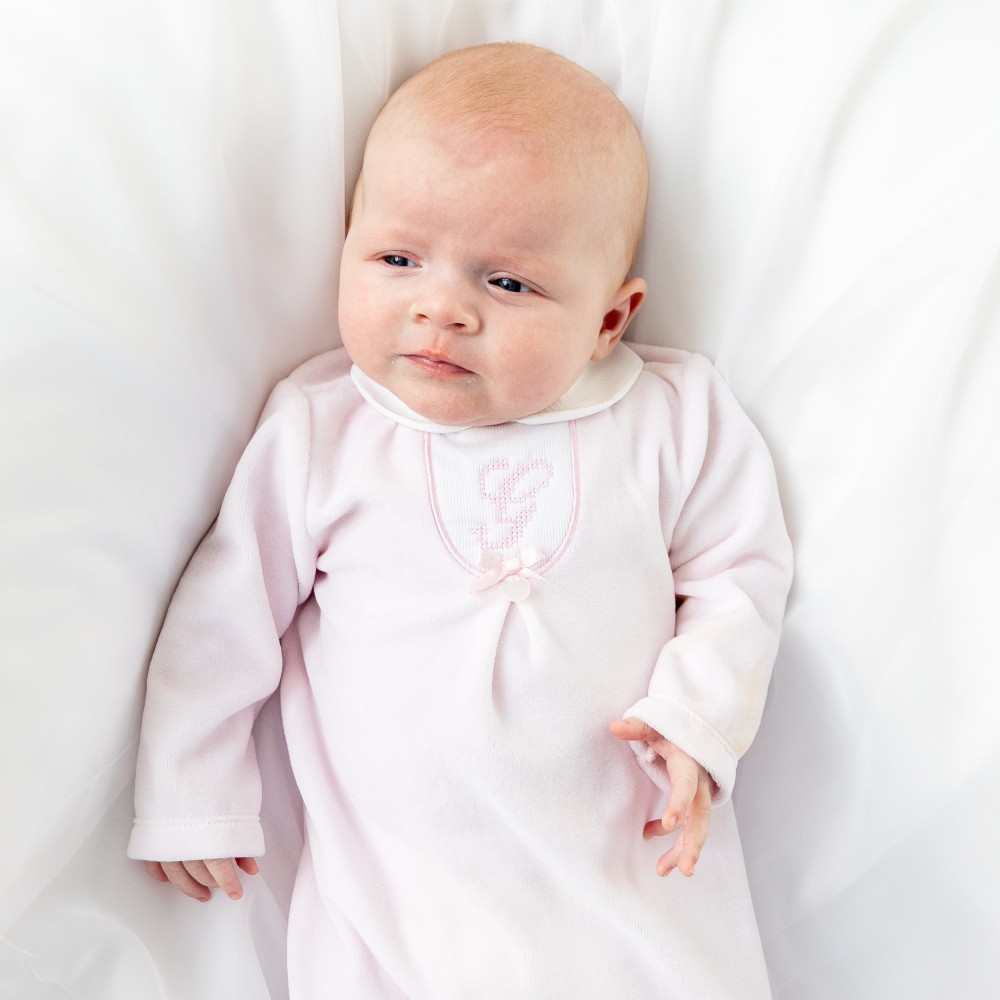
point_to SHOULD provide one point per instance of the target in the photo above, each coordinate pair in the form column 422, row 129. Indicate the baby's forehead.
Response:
column 519, row 97
column 577, row 138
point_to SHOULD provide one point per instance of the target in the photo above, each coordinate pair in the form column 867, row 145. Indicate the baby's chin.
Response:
column 458, row 416
column 465, row 400
column 456, row 409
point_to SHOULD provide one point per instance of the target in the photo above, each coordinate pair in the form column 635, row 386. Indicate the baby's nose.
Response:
column 446, row 304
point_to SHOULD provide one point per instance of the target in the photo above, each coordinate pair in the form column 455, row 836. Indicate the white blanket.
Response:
column 824, row 223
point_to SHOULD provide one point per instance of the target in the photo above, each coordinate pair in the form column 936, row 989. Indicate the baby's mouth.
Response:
column 436, row 364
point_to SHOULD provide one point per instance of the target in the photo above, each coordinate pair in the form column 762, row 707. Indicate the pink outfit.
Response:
column 461, row 613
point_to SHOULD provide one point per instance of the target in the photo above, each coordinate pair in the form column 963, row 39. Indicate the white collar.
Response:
column 601, row 385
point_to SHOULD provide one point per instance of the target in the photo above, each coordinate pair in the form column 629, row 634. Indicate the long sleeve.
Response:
column 731, row 562
column 218, row 656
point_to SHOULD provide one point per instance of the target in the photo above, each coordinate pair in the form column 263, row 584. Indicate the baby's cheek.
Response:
column 539, row 382
column 358, row 328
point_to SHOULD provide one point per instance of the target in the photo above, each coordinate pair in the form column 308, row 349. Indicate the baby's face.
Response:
column 477, row 279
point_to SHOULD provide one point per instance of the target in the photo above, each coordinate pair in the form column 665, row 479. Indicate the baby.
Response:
column 521, row 586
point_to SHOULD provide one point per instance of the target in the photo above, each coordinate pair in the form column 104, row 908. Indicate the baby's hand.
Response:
column 197, row 878
column 690, row 803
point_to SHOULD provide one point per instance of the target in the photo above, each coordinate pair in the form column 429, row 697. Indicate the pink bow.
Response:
column 499, row 568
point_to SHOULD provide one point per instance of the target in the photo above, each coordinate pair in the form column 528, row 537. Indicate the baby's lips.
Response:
column 437, row 364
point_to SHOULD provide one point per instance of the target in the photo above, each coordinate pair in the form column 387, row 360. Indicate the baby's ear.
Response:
column 624, row 305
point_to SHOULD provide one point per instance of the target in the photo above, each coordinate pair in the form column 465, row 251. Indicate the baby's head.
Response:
column 493, row 227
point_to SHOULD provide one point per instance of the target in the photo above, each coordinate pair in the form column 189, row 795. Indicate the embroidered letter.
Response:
column 512, row 494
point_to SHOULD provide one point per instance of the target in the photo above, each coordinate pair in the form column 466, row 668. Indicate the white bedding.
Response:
column 824, row 223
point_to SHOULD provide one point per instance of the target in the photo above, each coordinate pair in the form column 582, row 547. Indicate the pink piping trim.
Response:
column 436, row 510
column 574, row 519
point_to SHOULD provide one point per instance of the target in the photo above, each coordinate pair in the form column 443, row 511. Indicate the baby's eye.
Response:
column 511, row 285
column 398, row 260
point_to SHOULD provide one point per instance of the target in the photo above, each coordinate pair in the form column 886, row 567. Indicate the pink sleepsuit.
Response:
column 454, row 617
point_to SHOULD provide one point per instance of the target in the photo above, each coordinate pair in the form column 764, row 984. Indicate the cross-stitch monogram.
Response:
column 512, row 494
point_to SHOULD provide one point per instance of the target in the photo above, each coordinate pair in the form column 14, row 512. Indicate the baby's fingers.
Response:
column 197, row 878
column 686, row 779
column 633, row 730
column 182, row 880
column 155, row 870
column 685, row 852
column 219, row 872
